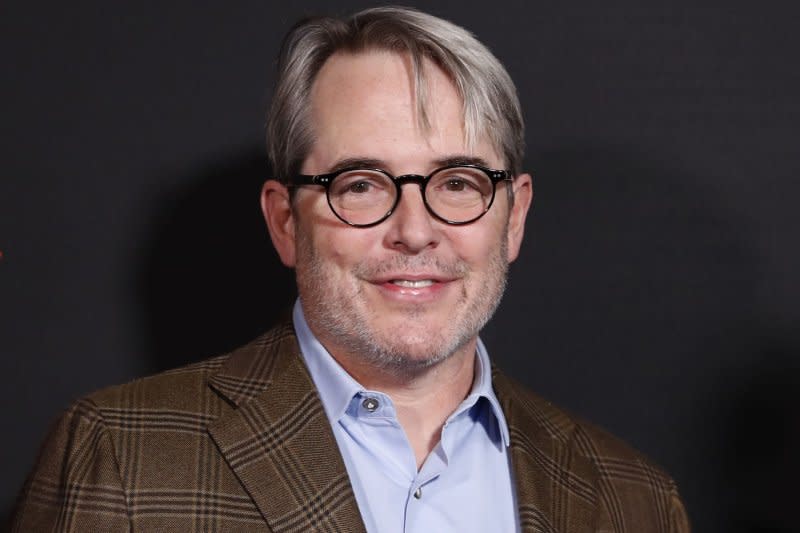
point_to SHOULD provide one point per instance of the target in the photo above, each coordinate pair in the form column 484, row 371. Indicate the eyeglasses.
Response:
column 364, row 197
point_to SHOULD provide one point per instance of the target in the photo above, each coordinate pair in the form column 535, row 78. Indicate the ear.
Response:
column 523, row 196
column 277, row 209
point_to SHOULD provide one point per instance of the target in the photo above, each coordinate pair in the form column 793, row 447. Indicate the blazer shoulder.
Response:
column 530, row 412
column 234, row 377
column 632, row 492
column 178, row 388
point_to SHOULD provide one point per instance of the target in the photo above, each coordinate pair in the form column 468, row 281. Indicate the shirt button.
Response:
column 418, row 493
column 370, row 404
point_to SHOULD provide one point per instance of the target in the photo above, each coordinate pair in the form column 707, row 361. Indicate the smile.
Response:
column 416, row 289
column 413, row 284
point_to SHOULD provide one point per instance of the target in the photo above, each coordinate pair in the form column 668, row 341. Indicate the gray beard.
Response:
column 329, row 312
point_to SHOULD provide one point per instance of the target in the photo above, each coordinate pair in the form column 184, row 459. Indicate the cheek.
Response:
column 330, row 237
column 478, row 245
column 335, row 248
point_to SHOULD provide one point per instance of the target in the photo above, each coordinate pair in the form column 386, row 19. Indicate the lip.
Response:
column 416, row 294
column 409, row 276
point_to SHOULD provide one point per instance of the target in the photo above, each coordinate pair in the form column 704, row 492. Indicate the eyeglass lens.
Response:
column 456, row 194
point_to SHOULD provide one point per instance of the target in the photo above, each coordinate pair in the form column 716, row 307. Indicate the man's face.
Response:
column 412, row 290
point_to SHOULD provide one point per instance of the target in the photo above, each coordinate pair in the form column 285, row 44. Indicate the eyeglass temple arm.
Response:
column 308, row 179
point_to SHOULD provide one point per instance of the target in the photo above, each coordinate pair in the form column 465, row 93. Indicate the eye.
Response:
column 359, row 187
column 361, row 184
column 455, row 185
column 459, row 184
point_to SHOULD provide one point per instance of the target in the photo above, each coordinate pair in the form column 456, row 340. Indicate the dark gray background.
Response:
column 657, row 292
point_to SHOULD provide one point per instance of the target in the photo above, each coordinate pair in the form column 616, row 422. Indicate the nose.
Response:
column 411, row 228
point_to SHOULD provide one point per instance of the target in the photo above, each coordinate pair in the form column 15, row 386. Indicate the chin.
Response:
column 412, row 354
column 405, row 364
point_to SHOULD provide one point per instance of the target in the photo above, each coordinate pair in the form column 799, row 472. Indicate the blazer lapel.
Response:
column 278, row 441
column 555, row 486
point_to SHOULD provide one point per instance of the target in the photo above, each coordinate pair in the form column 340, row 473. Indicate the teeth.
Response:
column 413, row 284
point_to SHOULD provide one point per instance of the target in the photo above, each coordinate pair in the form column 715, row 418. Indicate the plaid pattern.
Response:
column 241, row 443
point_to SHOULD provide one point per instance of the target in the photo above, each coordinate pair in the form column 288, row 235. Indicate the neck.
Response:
column 423, row 400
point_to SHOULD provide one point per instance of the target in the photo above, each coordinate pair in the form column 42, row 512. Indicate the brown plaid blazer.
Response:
column 241, row 443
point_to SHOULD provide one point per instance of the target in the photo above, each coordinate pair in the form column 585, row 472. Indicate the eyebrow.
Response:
column 368, row 162
column 461, row 159
column 357, row 162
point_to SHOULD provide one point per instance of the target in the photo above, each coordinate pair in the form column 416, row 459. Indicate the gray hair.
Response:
column 490, row 104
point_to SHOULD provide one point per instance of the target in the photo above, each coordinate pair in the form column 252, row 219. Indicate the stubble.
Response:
column 339, row 312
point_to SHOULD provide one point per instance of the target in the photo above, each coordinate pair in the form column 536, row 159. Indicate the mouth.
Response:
column 407, row 288
column 412, row 283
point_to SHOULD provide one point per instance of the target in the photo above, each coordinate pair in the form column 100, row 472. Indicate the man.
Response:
column 397, row 141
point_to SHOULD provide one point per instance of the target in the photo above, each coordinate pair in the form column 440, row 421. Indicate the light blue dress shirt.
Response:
column 465, row 484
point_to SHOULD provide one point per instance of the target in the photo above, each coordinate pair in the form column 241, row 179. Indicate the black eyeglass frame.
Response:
column 325, row 180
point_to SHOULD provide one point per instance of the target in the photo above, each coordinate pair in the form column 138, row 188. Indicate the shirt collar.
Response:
column 337, row 388
column 482, row 387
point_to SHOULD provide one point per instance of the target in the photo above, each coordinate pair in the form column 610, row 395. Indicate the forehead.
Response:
column 365, row 105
